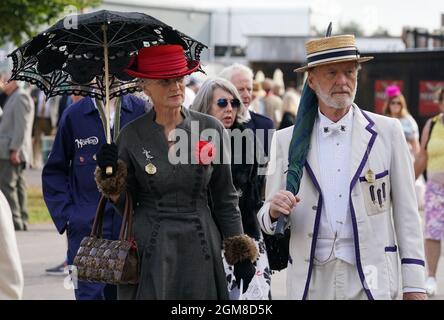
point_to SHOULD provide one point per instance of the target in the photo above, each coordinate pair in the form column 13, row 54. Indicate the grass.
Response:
column 38, row 213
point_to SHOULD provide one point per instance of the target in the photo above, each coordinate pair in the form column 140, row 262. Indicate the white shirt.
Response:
column 112, row 111
column 247, row 115
column 189, row 97
column 335, row 238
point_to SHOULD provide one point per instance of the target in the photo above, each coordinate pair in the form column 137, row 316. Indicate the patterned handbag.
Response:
column 109, row 261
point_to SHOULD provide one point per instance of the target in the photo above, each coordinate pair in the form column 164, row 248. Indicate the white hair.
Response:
column 204, row 98
column 228, row 72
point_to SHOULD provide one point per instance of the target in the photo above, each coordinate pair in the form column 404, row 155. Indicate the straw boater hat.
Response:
column 330, row 50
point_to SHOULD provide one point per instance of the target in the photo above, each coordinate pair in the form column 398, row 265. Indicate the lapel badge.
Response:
column 370, row 176
column 150, row 168
column 147, row 154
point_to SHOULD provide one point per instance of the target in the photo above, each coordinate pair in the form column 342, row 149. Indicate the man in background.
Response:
column 69, row 189
column 242, row 78
column 15, row 148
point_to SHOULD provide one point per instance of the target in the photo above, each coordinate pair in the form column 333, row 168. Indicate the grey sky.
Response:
column 389, row 14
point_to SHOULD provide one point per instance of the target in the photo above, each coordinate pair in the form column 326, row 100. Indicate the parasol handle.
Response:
column 109, row 170
column 280, row 226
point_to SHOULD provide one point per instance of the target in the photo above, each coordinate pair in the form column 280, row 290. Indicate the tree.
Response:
column 381, row 32
column 351, row 28
column 315, row 32
column 22, row 19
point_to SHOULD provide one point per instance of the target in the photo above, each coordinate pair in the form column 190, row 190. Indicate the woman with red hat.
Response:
column 170, row 175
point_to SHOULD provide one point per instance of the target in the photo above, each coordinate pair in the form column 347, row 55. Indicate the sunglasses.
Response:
column 235, row 103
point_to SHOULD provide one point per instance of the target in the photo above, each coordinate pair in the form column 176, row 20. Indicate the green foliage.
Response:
column 38, row 213
column 351, row 28
column 22, row 19
column 381, row 32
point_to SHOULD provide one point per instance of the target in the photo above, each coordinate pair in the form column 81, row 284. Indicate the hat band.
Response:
column 167, row 61
column 330, row 56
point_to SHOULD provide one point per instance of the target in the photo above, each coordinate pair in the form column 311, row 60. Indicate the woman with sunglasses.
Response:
column 178, row 240
column 218, row 97
column 396, row 107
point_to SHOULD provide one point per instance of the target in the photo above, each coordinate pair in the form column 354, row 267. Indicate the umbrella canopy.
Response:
column 72, row 59
column 87, row 57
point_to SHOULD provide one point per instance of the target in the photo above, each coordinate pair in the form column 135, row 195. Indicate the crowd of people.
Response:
column 354, row 204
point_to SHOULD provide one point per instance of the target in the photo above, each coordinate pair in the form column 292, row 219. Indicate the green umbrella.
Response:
column 300, row 143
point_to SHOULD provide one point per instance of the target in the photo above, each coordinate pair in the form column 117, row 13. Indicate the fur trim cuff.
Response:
column 240, row 248
column 114, row 185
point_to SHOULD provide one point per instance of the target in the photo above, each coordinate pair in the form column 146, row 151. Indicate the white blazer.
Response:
column 387, row 236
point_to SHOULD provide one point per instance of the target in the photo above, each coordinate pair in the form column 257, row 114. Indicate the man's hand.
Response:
column 282, row 203
column 414, row 296
column 14, row 157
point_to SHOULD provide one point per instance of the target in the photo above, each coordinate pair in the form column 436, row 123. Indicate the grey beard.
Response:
column 329, row 101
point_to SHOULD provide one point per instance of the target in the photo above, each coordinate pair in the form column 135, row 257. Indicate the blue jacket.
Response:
column 69, row 188
column 259, row 121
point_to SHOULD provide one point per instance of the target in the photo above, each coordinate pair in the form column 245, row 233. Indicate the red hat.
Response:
column 161, row 62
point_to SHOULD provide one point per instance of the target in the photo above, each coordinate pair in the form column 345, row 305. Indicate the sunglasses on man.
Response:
column 235, row 103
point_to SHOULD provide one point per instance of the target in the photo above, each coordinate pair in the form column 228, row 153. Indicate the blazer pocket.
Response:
column 376, row 193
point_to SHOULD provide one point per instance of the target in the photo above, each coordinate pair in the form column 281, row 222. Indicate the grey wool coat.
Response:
column 178, row 238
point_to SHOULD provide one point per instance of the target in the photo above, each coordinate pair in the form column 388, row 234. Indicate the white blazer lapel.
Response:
column 312, row 156
column 363, row 137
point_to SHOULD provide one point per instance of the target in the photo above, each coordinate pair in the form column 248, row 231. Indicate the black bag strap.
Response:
column 125, row 229
column 127, row 222
column 432, row 125
column 96, row 230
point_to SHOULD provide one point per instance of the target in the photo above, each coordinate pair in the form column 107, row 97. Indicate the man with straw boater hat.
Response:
column 342, row 180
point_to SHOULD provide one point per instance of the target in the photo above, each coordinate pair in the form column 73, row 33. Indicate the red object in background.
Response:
column 428, row 105
column 380, row 97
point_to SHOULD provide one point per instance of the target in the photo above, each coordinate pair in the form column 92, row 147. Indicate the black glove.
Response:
column 107, row 157
column 244, row 270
